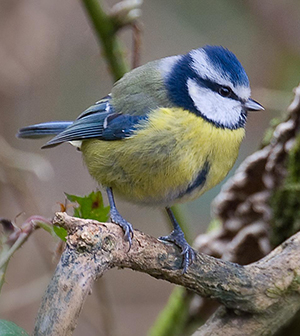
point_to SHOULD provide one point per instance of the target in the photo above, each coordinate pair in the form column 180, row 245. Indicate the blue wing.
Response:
column 101, row 122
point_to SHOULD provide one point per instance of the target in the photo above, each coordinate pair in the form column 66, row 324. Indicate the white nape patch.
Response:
column 213, row 106
column 205, row 69
column 76, row 143
column 166, row 64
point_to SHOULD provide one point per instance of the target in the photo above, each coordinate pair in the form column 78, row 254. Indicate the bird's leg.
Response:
column 177, row 237
column 118, row 219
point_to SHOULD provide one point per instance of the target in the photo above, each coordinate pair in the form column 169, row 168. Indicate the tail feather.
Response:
column 43, row 130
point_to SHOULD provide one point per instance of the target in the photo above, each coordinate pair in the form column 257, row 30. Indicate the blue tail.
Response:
column 43, row 130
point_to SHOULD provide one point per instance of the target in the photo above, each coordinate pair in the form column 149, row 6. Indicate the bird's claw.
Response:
column 126, row 226
column 188, row 254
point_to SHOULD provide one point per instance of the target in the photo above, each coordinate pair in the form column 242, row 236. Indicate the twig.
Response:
column 137, row 42
column 269, row 285
column 19, row 242
column 106, row 34
column 16, row 239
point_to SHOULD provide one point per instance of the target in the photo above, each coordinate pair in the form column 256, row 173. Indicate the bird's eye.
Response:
column 225, row 91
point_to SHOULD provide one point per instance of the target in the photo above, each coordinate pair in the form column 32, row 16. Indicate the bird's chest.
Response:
column 217, row 152
column 204, row 153
column 163, row 161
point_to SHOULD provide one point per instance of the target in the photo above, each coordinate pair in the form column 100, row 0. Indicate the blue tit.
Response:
column 169, row 131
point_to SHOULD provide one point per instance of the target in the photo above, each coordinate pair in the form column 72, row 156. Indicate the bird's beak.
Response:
column 252, row 105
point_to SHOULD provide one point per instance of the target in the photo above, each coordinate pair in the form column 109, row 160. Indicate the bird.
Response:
column 169, row 131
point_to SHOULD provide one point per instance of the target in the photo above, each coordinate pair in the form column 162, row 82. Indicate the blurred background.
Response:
column 51, row 68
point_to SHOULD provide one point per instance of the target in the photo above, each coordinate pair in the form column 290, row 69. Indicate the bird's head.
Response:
column 211, row 83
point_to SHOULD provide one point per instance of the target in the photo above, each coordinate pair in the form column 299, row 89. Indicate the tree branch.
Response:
column 270, row 285
column 14, row 237
column 106, row 27
column 106, row 33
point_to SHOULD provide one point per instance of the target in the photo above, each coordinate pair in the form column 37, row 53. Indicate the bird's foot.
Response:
column 188, row 254
column 126, row 226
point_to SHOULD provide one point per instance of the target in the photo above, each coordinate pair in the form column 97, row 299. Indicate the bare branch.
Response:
column 93, row 248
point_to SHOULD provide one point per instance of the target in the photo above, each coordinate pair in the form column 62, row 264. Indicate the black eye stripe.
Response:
column 178, row 90
column 215, row 87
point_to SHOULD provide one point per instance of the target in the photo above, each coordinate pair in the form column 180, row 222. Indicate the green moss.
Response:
column 275, row 292
column 296, row 280
column 214, row 225
column 285, row 202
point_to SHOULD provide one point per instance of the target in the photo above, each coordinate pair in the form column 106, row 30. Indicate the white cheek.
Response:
column 205, row 69
column 213, row 106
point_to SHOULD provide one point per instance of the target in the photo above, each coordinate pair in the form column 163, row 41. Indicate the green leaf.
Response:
column 90, row 207
column 60, row 232
column 54, row 230
column 8, row 328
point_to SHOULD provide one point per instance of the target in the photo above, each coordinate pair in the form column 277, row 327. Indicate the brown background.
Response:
column 51, row 68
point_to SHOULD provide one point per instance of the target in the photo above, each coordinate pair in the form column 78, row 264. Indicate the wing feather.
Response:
column 98, row 122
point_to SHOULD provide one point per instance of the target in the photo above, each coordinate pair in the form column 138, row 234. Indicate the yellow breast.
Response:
column 166, row 154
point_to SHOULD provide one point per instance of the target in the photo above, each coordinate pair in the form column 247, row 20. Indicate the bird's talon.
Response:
column 126, row 226
column 188, row 254
column 184, row 252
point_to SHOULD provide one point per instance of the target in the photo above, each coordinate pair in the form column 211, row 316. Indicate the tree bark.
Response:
column 260, row 295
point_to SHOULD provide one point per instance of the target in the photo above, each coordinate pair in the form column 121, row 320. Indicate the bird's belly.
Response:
column 160, row 163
